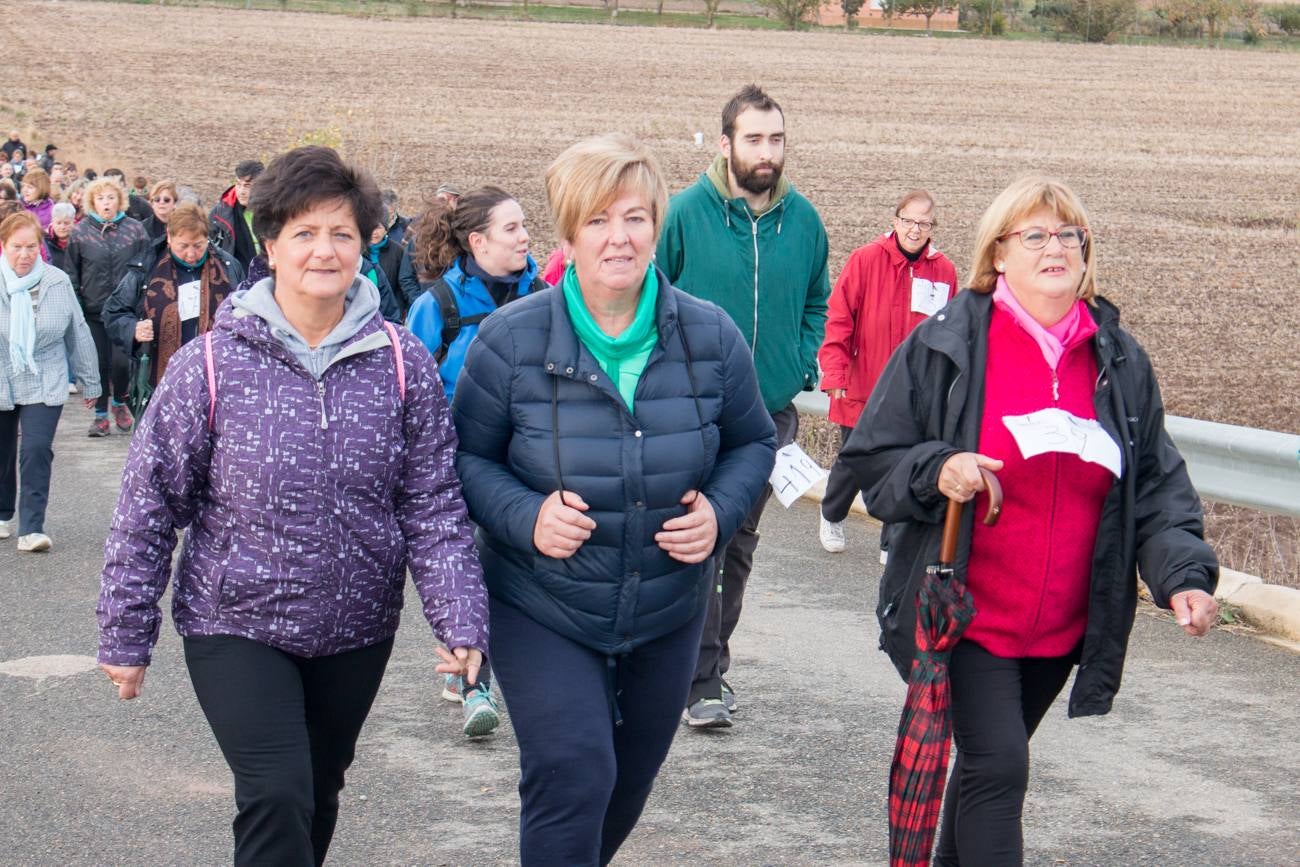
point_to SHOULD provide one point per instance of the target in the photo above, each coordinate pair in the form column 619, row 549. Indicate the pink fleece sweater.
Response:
column 1029, row 574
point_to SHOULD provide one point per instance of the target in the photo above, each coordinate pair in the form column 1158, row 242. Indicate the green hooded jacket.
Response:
column 767, row 271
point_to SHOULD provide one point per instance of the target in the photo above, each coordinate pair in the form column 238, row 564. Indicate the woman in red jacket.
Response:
column 885, row 290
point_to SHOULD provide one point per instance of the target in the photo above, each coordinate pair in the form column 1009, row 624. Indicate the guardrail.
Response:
column 1259, row 469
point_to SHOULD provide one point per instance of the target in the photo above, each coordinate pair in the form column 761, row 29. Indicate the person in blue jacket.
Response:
column 612, row 437
column 472, row 257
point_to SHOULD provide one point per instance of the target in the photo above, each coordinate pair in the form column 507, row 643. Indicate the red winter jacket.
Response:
column 1029, row 574
column 870, row 312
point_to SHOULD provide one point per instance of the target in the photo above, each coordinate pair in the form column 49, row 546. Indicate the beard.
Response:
column 751, row 177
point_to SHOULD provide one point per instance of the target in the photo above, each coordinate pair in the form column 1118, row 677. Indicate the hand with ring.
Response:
column 960, row 478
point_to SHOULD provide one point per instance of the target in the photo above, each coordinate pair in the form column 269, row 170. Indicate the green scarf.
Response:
column 623, row 357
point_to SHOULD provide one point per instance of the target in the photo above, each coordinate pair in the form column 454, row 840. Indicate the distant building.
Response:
column 831, row 14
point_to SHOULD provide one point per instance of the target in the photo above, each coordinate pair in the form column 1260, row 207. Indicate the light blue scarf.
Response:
column 22, row 314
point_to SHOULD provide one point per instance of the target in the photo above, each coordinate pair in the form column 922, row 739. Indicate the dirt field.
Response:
column 1188, row 159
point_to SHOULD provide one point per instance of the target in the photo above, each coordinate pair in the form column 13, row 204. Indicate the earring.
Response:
column 1000, row 267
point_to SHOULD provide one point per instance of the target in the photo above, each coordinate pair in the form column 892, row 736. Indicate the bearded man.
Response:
column 742, row 238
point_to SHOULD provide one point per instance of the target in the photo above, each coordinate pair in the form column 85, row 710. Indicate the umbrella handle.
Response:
column 952, row 519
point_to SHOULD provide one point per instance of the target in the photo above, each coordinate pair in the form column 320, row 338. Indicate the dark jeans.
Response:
column 996, row 706
column 113, row 365
column 288, row 727
column 841, row 488
column 33, row 463
column 733, row 574
column 584, row 780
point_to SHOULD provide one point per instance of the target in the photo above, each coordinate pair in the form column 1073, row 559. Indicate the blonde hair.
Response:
column 97, row 186
column 161, row 187
column 1025, row 196
column 592, row 173
column 188, row 219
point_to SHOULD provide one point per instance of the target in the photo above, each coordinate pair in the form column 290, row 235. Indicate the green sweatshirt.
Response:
column 767, row 271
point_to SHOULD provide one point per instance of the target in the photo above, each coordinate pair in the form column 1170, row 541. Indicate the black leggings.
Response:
column 288, row 727
column 114, row 367
column 996, row 706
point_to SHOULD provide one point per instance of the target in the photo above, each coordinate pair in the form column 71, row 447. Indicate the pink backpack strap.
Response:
column 212, row 378
column 398, row 358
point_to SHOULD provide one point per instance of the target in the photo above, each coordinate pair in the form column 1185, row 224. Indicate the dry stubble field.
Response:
column 1188, row 159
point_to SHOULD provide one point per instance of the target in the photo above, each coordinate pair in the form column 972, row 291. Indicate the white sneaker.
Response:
column 34, row 542
column 884, row 558
column 72, row 388
column 6, row 529
column 832, row 535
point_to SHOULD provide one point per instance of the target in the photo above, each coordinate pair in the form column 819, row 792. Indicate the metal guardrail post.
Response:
column 1244, row 466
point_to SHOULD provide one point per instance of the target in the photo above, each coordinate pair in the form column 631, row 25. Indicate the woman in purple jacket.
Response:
column 306, row 447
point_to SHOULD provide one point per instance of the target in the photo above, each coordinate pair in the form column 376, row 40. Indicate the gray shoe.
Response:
column 729, row 697
column 707, row 713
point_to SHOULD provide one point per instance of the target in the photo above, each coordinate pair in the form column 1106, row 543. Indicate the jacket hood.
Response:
column 360, row 307
column 229, row 197
column 718, row 178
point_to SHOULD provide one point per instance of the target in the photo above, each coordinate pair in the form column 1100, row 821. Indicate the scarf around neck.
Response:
column 22, row 314
column 161, row 304
column 623, row 357
column 1075, row 327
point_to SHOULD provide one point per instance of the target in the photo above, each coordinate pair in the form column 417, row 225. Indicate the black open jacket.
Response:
column 928, row 405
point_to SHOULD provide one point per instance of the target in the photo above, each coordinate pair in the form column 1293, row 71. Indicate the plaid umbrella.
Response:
column 944, row 609
column 140, row 389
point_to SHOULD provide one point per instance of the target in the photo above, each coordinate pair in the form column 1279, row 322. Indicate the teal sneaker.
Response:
column 481, row 714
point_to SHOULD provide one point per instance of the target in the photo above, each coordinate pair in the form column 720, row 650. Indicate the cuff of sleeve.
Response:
column 926, row 486
column 125, row 656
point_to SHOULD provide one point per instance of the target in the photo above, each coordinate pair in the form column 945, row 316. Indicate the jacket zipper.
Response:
column 753, row 224
column 1056, row 389
column 320, row 395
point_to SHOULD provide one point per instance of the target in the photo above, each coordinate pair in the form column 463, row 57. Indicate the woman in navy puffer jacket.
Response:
column 612, row 437
column 306, row 446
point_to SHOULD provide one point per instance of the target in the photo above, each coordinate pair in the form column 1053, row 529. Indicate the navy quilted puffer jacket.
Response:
column 530, row 393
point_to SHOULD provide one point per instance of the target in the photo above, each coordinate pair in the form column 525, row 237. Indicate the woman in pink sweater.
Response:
column 1029, row 375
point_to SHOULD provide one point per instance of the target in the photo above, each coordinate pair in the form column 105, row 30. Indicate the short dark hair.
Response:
column 115, row 173
column 300, row 179
column 49, row 148
column 249, row 169
column 750, row 96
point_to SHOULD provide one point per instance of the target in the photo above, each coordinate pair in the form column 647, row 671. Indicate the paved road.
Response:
column 1197, row 765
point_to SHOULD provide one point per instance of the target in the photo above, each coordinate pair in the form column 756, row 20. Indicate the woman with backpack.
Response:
column 471, row 254
column 307, row 448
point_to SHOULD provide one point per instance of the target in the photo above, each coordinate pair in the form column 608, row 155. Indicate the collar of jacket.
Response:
column 565, row 354
column 896, row 257
column 716, row 179
column 460, row 280
column 229, row 197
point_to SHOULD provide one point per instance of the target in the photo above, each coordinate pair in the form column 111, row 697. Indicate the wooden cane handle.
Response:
column 994, row 488
column 952, row 519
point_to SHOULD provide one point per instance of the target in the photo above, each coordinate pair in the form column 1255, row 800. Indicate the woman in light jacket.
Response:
column 42, row 329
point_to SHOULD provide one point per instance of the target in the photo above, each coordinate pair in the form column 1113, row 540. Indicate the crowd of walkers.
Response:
column 571, row 460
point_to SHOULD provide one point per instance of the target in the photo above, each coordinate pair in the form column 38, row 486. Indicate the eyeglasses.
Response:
column 163, row 200
column 923, row 225
column 1036, row 237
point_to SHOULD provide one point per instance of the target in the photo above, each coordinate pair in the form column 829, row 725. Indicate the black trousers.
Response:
column 114, row 369
column 997, row 705
column 841, row 488
column 288, row 727
column 734, row 567
column 583, row 779
column 34, row 463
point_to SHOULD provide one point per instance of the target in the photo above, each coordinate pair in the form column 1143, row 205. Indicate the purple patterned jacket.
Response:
column 304, row 505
